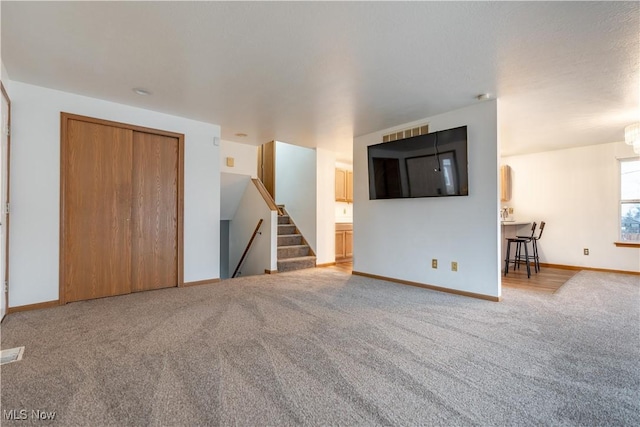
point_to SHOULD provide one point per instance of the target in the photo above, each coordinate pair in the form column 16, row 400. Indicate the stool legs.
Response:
column 526, row 259
column 517, row 259
column 506, row 260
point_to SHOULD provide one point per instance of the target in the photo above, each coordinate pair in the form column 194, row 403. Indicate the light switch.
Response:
column 230, row 162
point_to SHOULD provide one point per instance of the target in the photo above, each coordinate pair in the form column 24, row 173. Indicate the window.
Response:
column 630, row 201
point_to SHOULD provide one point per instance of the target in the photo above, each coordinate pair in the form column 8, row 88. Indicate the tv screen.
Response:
column 430, row 165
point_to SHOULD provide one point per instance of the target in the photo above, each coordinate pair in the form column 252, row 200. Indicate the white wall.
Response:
column 232, row 187
column 245, row 158
column 263, row 253
column 398, row 238
column 296, row 187
column 576, row 192
column 343, row 212
column 325, row 222
column 35, row 187
column 4, row 76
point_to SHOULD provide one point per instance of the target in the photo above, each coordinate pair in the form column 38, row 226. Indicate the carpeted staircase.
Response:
column 293, row 251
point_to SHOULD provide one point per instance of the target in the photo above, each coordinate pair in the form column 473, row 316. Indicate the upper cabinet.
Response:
column 341, row 185
column 349, row 186
column 505, row 183
column 344, row 185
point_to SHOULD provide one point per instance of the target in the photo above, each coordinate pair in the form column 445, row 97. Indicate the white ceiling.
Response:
column 319, row 73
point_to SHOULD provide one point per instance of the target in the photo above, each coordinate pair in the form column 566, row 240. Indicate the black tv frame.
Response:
column 449, row 143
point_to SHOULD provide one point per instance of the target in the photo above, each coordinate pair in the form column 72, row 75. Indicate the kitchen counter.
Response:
column 515, row 222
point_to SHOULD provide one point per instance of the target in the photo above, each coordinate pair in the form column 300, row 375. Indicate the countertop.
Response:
column 519, row 222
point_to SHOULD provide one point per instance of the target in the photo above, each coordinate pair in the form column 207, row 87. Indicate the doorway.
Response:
column 4, row 201
column 267, row 167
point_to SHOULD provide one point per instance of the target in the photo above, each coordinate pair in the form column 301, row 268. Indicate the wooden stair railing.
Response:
column 246, row 250
column 266, row 196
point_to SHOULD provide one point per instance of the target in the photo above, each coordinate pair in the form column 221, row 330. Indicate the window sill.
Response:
column 627, row 244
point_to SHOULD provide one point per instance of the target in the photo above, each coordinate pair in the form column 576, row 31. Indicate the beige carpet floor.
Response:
column 321, row 347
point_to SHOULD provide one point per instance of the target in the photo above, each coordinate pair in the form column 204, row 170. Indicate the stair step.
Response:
column 286, row 229
column 289, row 239
column 293, row 251
column 284, row 219
column 299, row 263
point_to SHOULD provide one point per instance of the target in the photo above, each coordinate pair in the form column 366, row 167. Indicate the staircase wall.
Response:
column 263, row 253
column 224, row 250
column 296, row 186
column 232, row 187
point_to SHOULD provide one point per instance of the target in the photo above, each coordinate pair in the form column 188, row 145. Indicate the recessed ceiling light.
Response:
column 241, row 135
column 483, row 96
column 141, row 91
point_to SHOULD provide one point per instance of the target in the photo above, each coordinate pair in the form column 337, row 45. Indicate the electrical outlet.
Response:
column 434, row 263
column 454, row 266
column 586, row 251
column 510, row 211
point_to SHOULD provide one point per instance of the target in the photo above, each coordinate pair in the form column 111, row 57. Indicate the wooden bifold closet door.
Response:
column 154, row 212
column 121, row 209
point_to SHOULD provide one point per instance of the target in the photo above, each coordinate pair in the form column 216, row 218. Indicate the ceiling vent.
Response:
column 407, row 133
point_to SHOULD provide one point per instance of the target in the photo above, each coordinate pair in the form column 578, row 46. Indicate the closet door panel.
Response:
column 97, row 211
column 154, row 212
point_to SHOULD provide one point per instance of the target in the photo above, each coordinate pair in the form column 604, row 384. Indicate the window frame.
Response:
column 619, row 241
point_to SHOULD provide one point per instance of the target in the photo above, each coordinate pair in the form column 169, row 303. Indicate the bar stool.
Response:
column 520, row 241
column 534, row 240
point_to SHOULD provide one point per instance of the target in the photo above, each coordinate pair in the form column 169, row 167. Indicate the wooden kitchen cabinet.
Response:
column 348, row 243
column 344, row 242
column 341, row 185
column 505, row 183
column 344, row 185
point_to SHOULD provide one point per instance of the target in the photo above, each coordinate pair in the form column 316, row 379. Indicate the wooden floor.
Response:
column 347, row 267
column 547, row 280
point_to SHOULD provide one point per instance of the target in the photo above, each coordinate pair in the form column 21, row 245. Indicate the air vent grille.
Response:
column 406, row 133
column 11, row 355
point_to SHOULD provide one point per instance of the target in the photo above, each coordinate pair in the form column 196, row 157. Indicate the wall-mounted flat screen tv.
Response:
column 430, row 165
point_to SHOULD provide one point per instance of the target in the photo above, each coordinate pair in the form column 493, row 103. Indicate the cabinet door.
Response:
column 348, row 244
column 340, row 244
column 96, row 227
column 349, row 186
column 341, row 184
